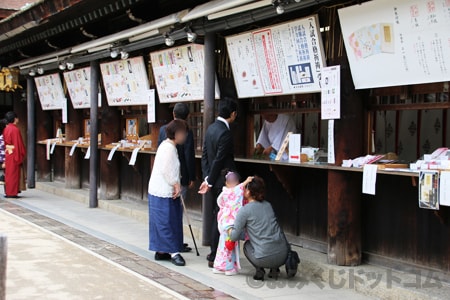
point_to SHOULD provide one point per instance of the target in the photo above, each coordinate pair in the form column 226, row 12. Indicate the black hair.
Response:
column 257, row 188
column 181, row 111
column 226, row 107
column 3, row 124
column 10, row 116
column 173, row 127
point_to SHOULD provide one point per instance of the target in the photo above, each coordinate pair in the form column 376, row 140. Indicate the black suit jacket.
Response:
column 218, row 153
column 186, row 155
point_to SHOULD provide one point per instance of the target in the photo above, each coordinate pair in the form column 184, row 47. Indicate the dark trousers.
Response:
column 273, row 261
column 215, row 235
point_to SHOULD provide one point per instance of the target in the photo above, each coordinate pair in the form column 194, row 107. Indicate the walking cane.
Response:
column 189, row 224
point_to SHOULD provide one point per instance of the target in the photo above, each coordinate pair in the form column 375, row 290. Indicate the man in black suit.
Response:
column 218, row 154
column 186, row 154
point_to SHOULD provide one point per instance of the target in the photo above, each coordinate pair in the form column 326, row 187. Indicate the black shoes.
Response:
column 259, row 275
column 186, row 248
column 162, row 256
column 210, row 260
column 178, row 260
column 274, row 273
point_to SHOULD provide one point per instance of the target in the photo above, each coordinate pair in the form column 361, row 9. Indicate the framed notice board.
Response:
column 397, row 42
column 278, row 60
column 50, row 91
column 78, row 84
column 179, row 73
column 126, row 82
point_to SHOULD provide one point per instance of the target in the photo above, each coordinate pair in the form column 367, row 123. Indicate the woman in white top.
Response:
column 165, row 208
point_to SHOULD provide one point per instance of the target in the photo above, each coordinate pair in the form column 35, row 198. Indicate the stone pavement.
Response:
column 42, row 265
column 124, row 241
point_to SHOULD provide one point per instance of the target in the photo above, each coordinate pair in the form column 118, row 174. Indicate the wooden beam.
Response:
column 43, row 131
column 344, row 188
column 31, row 133
column 93, row 161
column 72, row 163
column 414, row 106
column 110, row 170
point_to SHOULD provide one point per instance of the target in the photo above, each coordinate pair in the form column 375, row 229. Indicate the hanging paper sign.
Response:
column 88, row 153
column 397, row 42
column 283, row 59
column 151, row 107
column 78, row 84
column 134, row 156
column 72, row 150
column 125, row 82
column 113, row 150
column 50, row 91
column 331, row 93
column 179, row 73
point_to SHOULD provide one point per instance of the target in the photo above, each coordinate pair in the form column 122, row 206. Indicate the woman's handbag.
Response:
column 292, row 262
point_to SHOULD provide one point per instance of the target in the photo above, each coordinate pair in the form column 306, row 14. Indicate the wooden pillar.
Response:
column 344, row 188
column 72, row 163
column 3, row 263
column 93, row 162
column 31, row 134
column 44, row 127
column 208, row 118
column 110, row 170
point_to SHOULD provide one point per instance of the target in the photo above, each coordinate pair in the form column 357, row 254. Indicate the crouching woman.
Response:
column 267, row 246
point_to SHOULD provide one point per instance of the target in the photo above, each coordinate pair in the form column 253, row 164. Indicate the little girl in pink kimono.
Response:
column 229, row 201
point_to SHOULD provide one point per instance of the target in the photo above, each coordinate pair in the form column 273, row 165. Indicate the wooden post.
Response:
column 31, row 134
column 72, row 163
column 93, row 162
column 208, row 118
column 3, row 260
column 344, row 188
column 43, row 131
column 110, row 170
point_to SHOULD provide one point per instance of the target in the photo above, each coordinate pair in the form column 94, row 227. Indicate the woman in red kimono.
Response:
column 15, row 154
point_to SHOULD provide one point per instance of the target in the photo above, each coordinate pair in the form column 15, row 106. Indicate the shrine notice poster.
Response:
column 179, row 73
column 397, row 42
column 50, row 91
column 330, row 104
column 282, row 59
column 125, row 81
column 78, row 85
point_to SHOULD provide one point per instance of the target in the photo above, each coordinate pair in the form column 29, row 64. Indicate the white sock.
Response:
column 174, row 254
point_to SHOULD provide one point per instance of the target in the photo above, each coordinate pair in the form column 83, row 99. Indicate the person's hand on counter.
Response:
column 267, row 151
column 259, row 149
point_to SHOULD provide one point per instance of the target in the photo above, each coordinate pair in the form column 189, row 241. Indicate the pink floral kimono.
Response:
column 229, row 202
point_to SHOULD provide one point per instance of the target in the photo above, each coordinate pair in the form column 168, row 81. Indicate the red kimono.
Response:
column 14, row 156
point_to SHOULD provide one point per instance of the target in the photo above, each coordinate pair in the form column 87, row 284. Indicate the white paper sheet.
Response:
column 47, row 149
column 134, row 156
column 151, row 112
column 111, row 153
column 72, row 150
column 52, row 149
column 64, row 111
column 369, row 179
column 444, row 193
column 88, row 153
column 331, row 157
column 331, row 93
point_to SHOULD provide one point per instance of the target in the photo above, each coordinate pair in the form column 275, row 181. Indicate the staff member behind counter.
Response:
column 273, row 133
